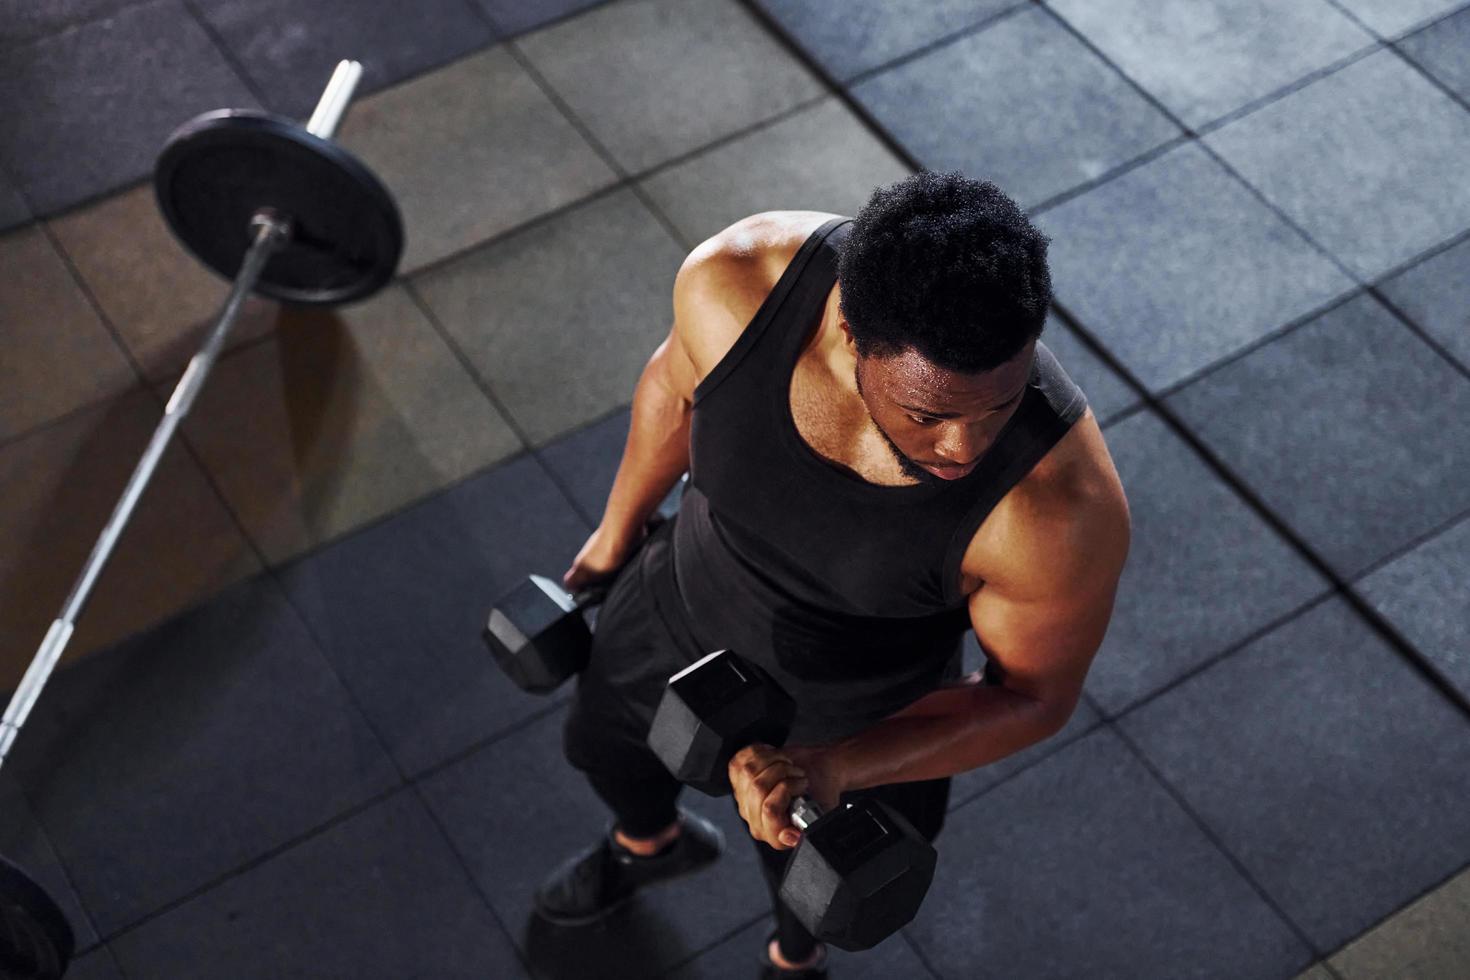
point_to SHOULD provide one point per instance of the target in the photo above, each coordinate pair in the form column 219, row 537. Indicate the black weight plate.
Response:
column 218, row 170
column 36, row 941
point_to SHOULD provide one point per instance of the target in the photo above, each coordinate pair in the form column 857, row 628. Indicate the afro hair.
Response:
column 946, row 266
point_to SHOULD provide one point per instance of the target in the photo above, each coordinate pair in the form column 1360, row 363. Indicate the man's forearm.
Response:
column 949, row 731
column 656, row 454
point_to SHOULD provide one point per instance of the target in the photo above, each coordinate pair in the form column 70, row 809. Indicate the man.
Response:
column 881, row 455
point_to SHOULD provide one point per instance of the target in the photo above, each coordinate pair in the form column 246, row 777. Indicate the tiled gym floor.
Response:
column 287, row 754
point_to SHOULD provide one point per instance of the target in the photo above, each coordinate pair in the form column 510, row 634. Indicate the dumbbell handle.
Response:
column 804, row 812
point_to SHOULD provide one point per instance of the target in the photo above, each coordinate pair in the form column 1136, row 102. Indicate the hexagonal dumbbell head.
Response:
column 859, row 874
column 537, row 635
column 712, row 709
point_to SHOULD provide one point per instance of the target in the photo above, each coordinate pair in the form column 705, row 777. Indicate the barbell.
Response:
column 283, row 211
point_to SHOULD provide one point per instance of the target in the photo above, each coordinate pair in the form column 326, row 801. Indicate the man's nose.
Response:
column 959, row 444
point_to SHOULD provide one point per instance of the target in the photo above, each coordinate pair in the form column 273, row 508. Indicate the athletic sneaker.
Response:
column 770, row 971
column 603, row 877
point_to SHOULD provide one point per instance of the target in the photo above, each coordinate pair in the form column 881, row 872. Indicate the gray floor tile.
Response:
column 13, row 209
column 1325, row 765
column 1085, row 866
column 398, row 608
column 561, row 318
column 1107, row 394
column 1203, row 572
column 59, row 355
column 57, row 488
column 1369, row 161
column 23, row 842
column 1435, row 294
column 24, row 20
column 189, row 750
column 160, row 300
column 519, row 16
column 520, row 789
column 819, row 159
column 656, row 78
column 1021, row 103
column 378, row 895
column 1424, row 594
column 1203, row 60
column 1152, row 263
column 289, row 50
column 1393, row 17
column 514, row 155
column 89, row 109
column 736, row 958
column 96, row 965
column 1317, row 972
column 850, row 38
column 1443, row 49
column 1350, row 428
column 1426, row 941
column 338, row 418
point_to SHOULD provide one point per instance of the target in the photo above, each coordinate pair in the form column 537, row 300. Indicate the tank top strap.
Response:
column 803, row 287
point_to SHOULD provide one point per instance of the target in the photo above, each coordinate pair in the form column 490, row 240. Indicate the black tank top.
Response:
column 848, row 592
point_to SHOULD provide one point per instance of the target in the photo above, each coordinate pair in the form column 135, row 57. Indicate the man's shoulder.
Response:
column 1068, row 518
column 724, row 281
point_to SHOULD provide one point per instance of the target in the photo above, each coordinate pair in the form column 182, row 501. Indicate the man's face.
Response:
column 939, row 422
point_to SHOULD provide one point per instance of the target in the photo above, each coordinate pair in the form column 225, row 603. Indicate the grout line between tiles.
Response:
column 918, row 951
column 226, row 55
column 929, row 47
column 723, row 937
column 1214, row 838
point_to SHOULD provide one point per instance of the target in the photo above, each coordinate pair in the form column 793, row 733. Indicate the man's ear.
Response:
column 846, row 331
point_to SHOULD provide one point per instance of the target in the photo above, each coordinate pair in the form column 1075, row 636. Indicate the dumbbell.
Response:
column 538, row 634
column 861, row 871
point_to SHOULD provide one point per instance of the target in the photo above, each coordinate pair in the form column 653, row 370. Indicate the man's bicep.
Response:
column 1044, row 642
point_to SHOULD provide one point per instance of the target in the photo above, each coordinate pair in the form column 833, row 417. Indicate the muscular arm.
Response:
column 1041, row 623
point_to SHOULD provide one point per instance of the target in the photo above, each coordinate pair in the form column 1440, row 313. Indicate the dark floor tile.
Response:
column 399, row 607
column 289, row 49
column 1368, row 161
column 1423, row 594
column 586, row 462
column 1152, row 264
column 1203, row 571
column 25, row 20
column 1350, row 428
column 24, row 843
column 1107, row 394
column 179, row 755
column 848, row 39
column 88, row 110
column 1443, row 49
column 1083, row 866
column 1021, row 103
column 95, row 965
column 1325, row 765
column 1206, row 58
column 736, row 958
column 521, row 790
column 1435, row 294
column 519, row 16
column 13, row 209
column 379, row 895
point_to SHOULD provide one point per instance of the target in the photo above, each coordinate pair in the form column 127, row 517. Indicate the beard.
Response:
column 907, row 466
